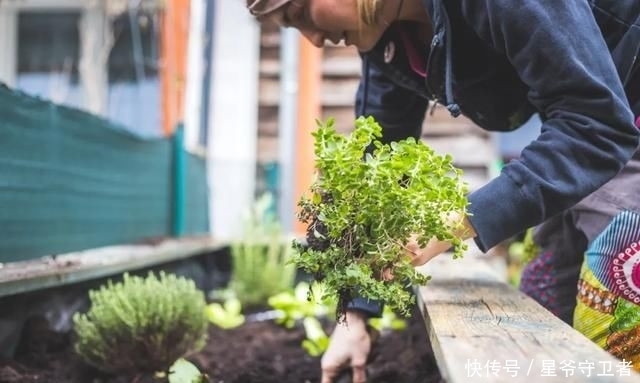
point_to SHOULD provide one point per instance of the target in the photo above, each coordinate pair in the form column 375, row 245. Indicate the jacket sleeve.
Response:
column 399, row 111
column 588, row 133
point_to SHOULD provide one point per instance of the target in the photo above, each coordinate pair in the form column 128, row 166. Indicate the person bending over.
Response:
column 498, row 62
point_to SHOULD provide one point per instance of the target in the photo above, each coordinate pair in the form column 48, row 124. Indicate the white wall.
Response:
column 233, row 117
column 8, row 32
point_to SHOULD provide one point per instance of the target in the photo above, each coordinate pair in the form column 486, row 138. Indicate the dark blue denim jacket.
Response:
column 499, row 61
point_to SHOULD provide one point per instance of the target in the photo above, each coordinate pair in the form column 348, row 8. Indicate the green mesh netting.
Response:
column 71, row 181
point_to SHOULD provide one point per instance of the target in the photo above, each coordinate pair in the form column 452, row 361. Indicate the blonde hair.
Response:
column 368, row 10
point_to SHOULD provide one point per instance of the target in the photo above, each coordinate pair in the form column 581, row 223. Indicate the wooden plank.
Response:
column 334, row 92
column 466, row 150
column 338, row 66
column 482, row 329
column 49, row 271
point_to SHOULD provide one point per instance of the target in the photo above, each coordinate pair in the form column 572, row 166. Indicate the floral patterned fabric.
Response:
column 608, row 301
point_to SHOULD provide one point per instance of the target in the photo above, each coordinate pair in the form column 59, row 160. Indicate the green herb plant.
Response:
column 141, row 325
column 183, row 371
column 520, row 253
column 316, row 340
column 368, row 198
column 303, row 302
column 389, row 321
column 261, row 257
column 227, row 315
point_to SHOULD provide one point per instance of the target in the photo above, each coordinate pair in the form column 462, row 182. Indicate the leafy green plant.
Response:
column 141, row 325
column 316, row 341
column 227, row 315
column 305, row 301
column 388, row 321
column 261, row 258
column 520, row 253
column 364, row 205
column 183, row 371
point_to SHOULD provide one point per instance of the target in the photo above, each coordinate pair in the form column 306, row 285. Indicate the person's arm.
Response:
column 588, row 132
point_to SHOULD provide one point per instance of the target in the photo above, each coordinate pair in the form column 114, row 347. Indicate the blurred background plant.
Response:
column 389, row 321
column 316, row 339
column 183, row 371
column 142, row 325
column 226, row 315
column 302, row 302
column 260, row 259
column 520, row 253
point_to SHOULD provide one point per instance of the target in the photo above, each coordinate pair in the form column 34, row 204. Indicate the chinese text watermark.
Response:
column 542, row 368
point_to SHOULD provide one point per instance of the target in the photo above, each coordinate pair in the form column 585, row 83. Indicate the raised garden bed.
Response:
column 144, row 326
column 258, row 352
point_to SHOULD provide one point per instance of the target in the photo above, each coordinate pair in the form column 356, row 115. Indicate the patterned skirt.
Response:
column 608, row 304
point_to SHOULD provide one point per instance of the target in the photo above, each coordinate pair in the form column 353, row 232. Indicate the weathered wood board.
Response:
column 56, row 270
column 483, row 329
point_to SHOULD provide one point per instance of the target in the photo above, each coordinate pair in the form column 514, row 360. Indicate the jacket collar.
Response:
column 441, row 27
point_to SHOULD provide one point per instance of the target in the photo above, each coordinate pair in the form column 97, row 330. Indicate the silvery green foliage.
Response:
column 141, row 324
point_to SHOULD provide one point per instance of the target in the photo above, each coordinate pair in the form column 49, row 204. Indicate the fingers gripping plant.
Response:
column 365, row 204
column 141, row 325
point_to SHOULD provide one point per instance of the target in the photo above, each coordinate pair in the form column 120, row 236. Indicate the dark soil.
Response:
column 259, row 352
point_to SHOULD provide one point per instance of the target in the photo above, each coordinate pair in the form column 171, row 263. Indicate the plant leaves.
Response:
column 382, row 194
column 183, row 371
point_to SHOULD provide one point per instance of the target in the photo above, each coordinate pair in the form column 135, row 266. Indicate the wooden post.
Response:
column 309, row 109
column 173, row 44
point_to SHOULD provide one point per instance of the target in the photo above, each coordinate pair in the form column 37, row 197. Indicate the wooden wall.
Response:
column 472, row 148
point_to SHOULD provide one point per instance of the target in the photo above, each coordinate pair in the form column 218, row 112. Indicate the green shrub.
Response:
column 141, row 325
column 261, row 258
column 363, row 207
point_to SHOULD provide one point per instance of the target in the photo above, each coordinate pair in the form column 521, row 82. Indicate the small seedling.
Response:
column 388, row 321
column 184, row 371
column 317, row 341
column 227, row 315
column 305, row 301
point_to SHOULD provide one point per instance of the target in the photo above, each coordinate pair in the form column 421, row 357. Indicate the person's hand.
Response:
column 350, row 344
column 419, row 256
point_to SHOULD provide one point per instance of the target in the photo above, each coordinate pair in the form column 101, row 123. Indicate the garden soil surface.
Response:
column 260, row 352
